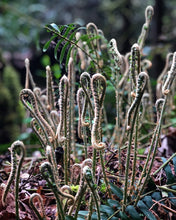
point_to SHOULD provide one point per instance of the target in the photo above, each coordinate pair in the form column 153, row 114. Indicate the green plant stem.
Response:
column 135, row 154
column 150, row 133
column 155, row 144
column 36, row 195
column 79, row 201
column 90, row 208
column 94, row 162
column 166, row 189
column 128, row 159
column 95, row 200
column 48, row 174
column 17, row 186
column 65, row 144
column 104, row 174
column 85, row 140
column 164, row 164
column 117, row 128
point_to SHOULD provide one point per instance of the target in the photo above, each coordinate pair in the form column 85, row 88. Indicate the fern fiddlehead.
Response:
column 85, row 82
column 15, row 173
column 89, row 179
column 39, row 133
column 29, row 77
column 49, row 89
column 82, row 188
column 27, row 96
column 40, row 200
column 80, row 102
column 170, row 77
column 98, row 92
column 148, row 17
column 48, row 174
column 135, row 63
column 80, row 52
column 141, row 84
column 63, row 92
column 71, row 111
column 162, row 75
column 92, row 32
column 52, row 159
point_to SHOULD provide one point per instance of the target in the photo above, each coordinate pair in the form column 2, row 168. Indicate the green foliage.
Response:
column 11, row 111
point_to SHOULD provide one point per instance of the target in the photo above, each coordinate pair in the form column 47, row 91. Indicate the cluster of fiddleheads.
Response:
column 56, row 127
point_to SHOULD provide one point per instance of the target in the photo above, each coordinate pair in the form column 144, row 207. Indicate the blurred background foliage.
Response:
column 22, row 35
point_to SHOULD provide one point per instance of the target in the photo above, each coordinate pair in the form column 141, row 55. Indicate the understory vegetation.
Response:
column 90, row 168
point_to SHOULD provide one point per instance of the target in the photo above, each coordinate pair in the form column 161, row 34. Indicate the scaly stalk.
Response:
column 14, row 174
column 141, row 84
column 31, row 202
column 89, row 179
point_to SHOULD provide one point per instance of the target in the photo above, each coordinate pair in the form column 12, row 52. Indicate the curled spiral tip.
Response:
column 40, row 200
column 85, row 75
column 26, row 62
column 48, row 68
column 133, row 94
column 113, row 45
column 159, row 104
column 85, row 124
column 113, row 42
column 92, row 25
column 99, row 76
column 15, row 168
column 99, row 146
column 135, row 46
column 37, row 91
column 46, row 170
column 48, row 149
column 85, row 169
column 64, row 77
column 78, row 35
column 66, row 191
column 149, row 12
column 166, row 91
column 86, row 162
column 141, row 84
column 170, row 77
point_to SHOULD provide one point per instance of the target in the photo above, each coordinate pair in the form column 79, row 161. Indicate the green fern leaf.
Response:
column 168, row 171
column 47, row 44
column 174, row 162
column 116, row 191
column 55, row 27
column 62, row 54
column 144, row 209
column 133, row 213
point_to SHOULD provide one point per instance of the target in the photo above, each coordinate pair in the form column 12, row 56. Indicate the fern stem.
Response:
column 154, row 144
column 14, row 174
column 89, row 179
column 135, row 155
column 164, row 164
column 104, row 174
column 141, row 83
column 31, row 202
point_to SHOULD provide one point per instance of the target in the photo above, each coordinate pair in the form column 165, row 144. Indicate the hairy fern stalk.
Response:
column 86, row 54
